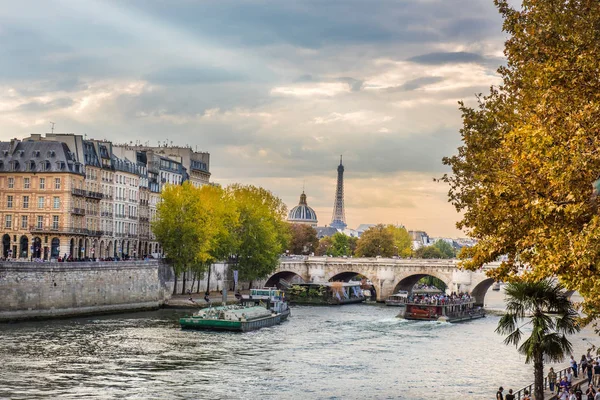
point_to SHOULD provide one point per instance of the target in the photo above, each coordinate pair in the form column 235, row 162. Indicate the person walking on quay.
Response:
column 510, row 395
column 574, row 366
column 206, row 298
column 499, row 395
column 584, row 365
column 596, row 373
column 551, row 379
column 589, row 371
column 570, row 376
column 590, row 392
column 526, row 395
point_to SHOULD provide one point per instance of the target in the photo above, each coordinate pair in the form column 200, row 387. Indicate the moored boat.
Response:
column 397, row 299
column 326, row 293
column 444, row 309
column 262, row 308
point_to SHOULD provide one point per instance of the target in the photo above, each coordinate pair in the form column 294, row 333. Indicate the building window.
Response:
column 9, row 201
column 8, row 221
column 24, row 222
column 42, row 183
column 25, row 201
column 40, row 222
column 57, row 202
column 55, row 222
column 26, row 183
column 57, row 183
column 41, row 202
column 11, row 183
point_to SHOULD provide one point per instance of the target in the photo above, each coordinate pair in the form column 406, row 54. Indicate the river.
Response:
column 349, row 352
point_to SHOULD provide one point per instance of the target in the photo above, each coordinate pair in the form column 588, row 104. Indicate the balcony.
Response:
column 78, row 192
column 78, row 211
column 119, row 215
column 94, row 213
column 106, row 214
column 107, row 233
column 144, row 219
column 119, row 234
column 95, row 233
column 64, row 230
column 133, row 217
column 94, row 195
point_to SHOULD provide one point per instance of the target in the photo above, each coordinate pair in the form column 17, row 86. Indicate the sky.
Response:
column 275, row 91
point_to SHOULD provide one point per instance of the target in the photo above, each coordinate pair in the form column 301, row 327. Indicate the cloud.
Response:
column 192, row 76
column 438, row 58
column 39, row 106
column 416, row 83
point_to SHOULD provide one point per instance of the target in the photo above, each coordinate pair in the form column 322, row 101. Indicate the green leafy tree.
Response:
column 523, row 177
column 325, row 247
column 261, row 234
column 428, row 252
column 445, row 249
column 177, row 230
column 402, row 241
column 376, row 241
column 303, row 239
column 548, row 313
column 340, row 245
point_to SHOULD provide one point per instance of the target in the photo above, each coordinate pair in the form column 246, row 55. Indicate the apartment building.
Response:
column 63, row 195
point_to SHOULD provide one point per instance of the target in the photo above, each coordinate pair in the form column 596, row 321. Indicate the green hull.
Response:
column 234, row 326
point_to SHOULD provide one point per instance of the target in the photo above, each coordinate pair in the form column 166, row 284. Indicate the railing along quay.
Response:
column 548, row 395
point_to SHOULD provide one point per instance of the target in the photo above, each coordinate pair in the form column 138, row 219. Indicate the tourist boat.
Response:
column 452, row 310
column 262, row 308
column 325, row 293
column 397, row 299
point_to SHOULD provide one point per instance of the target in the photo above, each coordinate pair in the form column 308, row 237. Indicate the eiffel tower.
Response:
column 338, row 220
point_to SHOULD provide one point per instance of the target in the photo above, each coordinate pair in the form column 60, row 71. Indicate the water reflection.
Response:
column 355, row 351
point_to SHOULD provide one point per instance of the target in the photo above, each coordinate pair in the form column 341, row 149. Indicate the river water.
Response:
column 349, row 352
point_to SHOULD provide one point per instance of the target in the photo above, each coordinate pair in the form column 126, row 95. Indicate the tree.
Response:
column 176, row 227
column 325, row 246
column 402, row 241
column 261, row 234
column 428, row 252
column 303, row 239
column 376, row 241
column 545, row 307
column 446, row 250
column 523, row 177
column 340, row 245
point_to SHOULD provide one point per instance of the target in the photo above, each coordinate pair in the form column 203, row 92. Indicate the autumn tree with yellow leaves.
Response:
column 523, row 177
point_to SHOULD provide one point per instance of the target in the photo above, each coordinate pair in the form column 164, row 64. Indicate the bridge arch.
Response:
column 406, row 282
column 480, row 290
column 289, row 276
column 346, row 276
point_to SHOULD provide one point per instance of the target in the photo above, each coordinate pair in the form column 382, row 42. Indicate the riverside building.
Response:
column 62, row 195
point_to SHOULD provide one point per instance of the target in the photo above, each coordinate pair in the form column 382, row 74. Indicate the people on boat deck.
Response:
column 441, row 298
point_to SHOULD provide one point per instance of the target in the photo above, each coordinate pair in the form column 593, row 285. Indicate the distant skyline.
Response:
column 274, row 90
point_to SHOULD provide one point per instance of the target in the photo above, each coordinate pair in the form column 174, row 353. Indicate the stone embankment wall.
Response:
column 46, row 290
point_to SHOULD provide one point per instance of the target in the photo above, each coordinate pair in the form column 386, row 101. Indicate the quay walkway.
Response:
column 580, row 381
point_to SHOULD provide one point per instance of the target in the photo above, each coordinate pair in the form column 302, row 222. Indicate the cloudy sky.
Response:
column 274, row 90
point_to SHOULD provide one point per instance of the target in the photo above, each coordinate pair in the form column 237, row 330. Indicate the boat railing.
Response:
column 447, row 302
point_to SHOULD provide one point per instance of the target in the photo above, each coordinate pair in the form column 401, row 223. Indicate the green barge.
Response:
column 262, row 308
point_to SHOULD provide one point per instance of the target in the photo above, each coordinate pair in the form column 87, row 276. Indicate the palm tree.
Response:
column 544, row 306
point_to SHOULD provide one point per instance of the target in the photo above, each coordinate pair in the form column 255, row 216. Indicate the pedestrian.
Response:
column 596, row 374
column 563, row 394
column 206, row 298
column 499, row 395
column 589, row 371
column 574, row 366
column 551, row 379
column 570, row 376
column 510, row 395
column 584, row 365
column 526, row 395
column 597, row 396
column 590, row 392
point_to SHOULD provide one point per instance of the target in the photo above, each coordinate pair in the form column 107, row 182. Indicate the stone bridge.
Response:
column 387, row 275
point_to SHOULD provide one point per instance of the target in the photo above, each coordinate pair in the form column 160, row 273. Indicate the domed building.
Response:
column 302, row 213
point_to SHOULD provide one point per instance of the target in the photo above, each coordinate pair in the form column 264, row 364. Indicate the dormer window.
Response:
column 47, row 165
column 5, row 153
column 32, row 165
column 36, row 153
column 51, row 153
column 21, row 153
column 16, row 166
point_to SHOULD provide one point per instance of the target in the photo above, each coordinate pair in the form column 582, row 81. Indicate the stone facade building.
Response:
column 63, row 195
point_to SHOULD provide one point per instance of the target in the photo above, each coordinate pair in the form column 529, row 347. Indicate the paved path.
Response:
column 183, row 301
